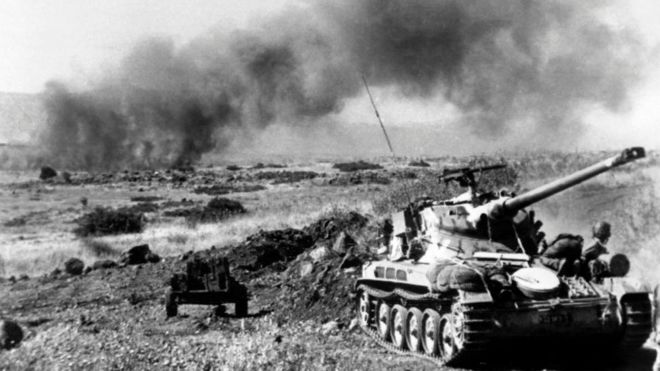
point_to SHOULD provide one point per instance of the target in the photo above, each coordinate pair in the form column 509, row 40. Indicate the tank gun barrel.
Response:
column 535, row 195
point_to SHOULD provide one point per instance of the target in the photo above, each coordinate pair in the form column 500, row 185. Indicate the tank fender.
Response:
column 622, row 286
column 472, row 297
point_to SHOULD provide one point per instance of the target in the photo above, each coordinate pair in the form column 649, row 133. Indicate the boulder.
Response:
column 306, row 267
column 47, row 172
column 74, row 266
column 138, row 255
column 329, row 327
column 11, row 334
column 343, row 242
column 319, row 253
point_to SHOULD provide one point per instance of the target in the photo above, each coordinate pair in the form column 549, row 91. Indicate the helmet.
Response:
column 602, row 231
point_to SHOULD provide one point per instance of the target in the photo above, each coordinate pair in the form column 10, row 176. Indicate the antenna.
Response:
column 380, row 121
column 389, row 144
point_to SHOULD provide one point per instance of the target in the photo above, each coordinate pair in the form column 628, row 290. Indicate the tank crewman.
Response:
column 393, row 246
column 601, row 231
column 563, row 254
column 386, row 236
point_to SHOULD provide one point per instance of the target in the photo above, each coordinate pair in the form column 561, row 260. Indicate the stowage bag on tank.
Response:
column 447, row 276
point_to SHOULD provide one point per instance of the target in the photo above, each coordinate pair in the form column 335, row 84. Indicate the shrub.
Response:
column 105, row 221
column 356, row 166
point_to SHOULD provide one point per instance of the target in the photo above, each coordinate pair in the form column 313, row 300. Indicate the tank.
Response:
column 471, row 278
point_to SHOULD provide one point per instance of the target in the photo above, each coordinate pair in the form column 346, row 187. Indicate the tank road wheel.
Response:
column 415, row 329
column 431, row 332
column 364, row 309
column 171, row 308
column 399, row 330
column 384, row 320
column 452, row 330
column 448, row 347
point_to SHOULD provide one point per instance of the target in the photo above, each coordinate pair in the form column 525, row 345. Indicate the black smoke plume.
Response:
column 500, row 63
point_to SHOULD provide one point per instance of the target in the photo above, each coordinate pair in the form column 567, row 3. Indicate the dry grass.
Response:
column 36, row 249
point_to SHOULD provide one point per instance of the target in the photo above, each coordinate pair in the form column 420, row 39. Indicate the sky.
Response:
column 76, row 40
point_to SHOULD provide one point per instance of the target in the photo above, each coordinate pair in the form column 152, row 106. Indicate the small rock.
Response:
column 343, row 242
column 11, row 334
column 353, row 325
column 188, row 254
column 74, row 266
column 23, row 277
column 66, row 176
column 87, row 270
column 104, row 264
column 328, row 327
column 55, row 273
column 306, row 267
column 319, row 253
column 152, row 258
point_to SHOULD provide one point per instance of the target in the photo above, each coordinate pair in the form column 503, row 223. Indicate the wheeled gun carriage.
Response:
column 478, row 283
column 206, row 281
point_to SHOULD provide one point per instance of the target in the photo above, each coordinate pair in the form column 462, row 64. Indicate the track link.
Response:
column 475, row 322
column 638, row 320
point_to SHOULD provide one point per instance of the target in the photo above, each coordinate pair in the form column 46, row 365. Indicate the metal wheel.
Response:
column 399, row 324
column 364, row 309
column 448, row 348
column 458, row 326
column 415, row 329
column 430, row 332
column 384, row 321
column 452, row 329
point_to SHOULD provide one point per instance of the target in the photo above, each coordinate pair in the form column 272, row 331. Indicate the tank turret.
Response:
column 496, row 217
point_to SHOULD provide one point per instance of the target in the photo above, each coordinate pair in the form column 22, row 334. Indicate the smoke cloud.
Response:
column 501, row 63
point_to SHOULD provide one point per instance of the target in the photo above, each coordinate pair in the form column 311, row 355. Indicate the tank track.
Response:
column 638, row 320
column 476, row 324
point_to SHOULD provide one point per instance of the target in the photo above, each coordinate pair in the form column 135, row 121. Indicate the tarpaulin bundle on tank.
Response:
column 447, row 275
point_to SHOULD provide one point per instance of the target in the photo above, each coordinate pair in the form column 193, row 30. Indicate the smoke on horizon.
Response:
column 498, row 63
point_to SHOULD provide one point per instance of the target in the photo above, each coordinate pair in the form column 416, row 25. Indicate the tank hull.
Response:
column 475, row 324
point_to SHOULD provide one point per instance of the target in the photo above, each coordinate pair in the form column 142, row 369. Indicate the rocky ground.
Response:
column 300, row 276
